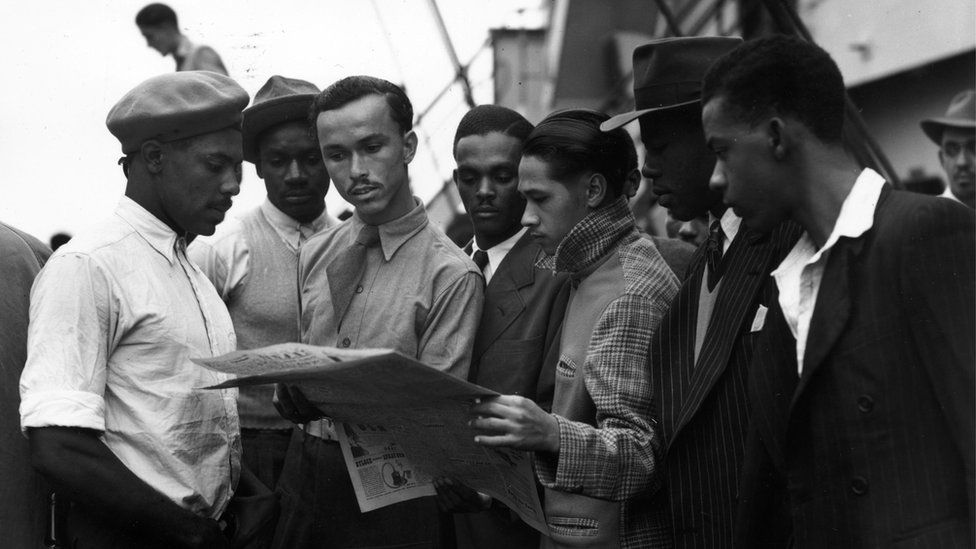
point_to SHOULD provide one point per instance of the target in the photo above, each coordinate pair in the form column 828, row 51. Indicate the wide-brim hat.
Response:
column 960, row 114
column 280, row 100
column 668, row 73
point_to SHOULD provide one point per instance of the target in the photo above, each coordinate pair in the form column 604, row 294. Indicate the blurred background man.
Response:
column 955, row 134
column 158, row 24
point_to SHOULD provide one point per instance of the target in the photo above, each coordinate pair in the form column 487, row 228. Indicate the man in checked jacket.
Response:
column 596, row 454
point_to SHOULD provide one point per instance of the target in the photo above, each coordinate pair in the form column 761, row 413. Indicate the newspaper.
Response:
column 399, row 423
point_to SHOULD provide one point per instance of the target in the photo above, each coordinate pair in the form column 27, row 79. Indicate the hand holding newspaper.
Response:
column 400, row 423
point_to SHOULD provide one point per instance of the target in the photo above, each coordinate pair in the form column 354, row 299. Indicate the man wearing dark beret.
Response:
column 109, row 398
column 253, row 261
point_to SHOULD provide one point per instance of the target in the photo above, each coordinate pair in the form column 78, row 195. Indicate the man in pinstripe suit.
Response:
column 700, row 355
column 863, row 385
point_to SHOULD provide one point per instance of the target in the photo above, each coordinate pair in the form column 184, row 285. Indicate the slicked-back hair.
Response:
column 485, row 119
column 155, row 15
column 351, row 88
column 780, row 74
column 570, row 143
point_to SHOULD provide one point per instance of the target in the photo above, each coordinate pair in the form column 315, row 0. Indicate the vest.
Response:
column 576, row 520
column 264, row 312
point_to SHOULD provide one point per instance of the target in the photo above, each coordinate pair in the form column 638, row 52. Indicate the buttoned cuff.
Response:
column 62, row 409
column 557, row 472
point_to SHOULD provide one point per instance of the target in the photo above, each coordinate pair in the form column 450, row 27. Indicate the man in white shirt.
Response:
column 111, row 402
column 955, row 134
column 862, row 389
column 253, row 261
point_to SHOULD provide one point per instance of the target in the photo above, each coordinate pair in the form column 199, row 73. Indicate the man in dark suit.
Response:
column 863, row 384
column 524, row 306
column 700, row 355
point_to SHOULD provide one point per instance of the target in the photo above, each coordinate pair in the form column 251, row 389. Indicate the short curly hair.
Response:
column 351, row 88
column 154, row 15
column 785, row 75
column 485, row 119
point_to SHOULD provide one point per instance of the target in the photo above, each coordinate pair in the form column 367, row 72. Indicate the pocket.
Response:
column 566, row 367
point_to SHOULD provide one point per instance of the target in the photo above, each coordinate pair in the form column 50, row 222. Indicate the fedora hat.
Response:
column 279, row 100
column 668, row 73
column 960, row 114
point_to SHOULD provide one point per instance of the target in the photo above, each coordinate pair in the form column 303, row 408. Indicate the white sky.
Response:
column 67, row 62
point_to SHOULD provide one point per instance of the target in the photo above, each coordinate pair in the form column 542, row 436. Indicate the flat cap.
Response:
column 280, row 99
column 175, row 106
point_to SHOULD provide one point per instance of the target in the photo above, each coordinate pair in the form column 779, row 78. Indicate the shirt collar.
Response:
column 162, row 238
column 857, row 212
column 498, row 252
column 947, row 193
column 394, row 234
column 589, row 241
column 288, row 228
column 730, row 224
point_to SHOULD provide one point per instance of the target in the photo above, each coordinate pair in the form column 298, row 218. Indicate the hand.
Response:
column 515, row 422
column 454, row 497
column 292, row 404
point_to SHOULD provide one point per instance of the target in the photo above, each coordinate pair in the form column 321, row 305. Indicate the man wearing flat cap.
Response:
column 955, row 134
column 253, row 261
column 700, row 355
column 109, row 398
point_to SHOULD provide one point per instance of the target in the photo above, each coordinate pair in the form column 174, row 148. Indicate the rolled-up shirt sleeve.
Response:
column 69, row 339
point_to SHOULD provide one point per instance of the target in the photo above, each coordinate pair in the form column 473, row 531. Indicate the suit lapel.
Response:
column 747, row 262
column 832, row 308
column 503, row 302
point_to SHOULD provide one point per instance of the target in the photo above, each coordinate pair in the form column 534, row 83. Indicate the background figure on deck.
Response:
column 517, row 345
column 158, row 24
column 955, row 134
column 385, row 278
column 253, row 261
column 862, row 387
column 24, row 505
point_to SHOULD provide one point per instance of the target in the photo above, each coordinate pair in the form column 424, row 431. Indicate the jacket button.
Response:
column 359, row 289
column 346, row 342
column 865, row 403
column 859, row 485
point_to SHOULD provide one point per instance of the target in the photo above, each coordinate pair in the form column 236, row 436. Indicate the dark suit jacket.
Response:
column 874, row 442
column 702, row 407
column 515, row 352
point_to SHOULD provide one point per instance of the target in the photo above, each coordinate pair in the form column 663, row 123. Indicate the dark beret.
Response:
column 176, row 105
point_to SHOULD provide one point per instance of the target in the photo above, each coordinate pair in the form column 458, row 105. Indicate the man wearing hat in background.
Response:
column 955, row 134
column 253, row 262
column 700, row 355
column 110, row 400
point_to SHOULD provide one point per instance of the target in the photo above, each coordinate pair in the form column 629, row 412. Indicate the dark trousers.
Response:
column 87, row 530
column 319, row 508
column 263, row 453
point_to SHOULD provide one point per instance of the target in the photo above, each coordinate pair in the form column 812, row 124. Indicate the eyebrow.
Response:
column 221, row 157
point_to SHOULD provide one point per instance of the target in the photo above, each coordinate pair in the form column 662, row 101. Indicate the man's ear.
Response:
column 596, row 190
column 257, row 168
column 151, row 152
column 409, row 146
column 632, row 183
column 777, row 136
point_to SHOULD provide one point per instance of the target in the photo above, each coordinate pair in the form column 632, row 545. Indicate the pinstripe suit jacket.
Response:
column 874, row 443
column 703, row 407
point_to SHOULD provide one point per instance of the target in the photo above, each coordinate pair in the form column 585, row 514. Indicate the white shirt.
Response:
column 497, row 253
column 798, row 277
column 947, row 193
column 115, row 317
column 224, row 256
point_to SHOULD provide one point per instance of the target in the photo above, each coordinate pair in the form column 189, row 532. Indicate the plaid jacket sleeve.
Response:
column 618, row 458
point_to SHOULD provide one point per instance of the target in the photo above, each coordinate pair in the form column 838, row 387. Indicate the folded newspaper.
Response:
column 400, row 423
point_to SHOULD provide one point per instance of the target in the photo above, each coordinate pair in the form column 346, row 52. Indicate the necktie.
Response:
column 347, row 269
column 480, row 259
column 713, row 253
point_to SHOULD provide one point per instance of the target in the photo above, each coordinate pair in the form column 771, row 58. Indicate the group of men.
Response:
column 804, row 377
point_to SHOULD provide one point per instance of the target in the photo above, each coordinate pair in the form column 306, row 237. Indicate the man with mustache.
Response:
column 385, row 278
column 862, row 386
column 252, row 261
column 955, row 134
column 109, row 398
